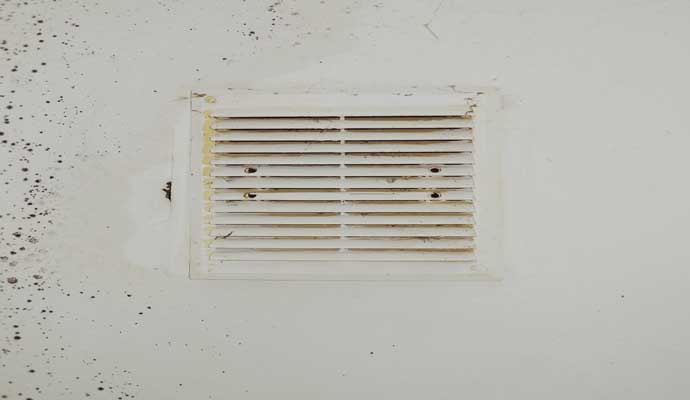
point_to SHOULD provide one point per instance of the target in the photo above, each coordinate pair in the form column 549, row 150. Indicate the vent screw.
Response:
column 435, row 195
column 249, row 170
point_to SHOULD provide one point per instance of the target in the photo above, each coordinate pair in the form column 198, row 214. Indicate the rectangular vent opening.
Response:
column 365, row 191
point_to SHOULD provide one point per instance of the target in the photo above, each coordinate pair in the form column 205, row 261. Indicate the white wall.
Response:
column 594, row 302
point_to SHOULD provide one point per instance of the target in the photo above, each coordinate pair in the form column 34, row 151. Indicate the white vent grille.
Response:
column 336, row 187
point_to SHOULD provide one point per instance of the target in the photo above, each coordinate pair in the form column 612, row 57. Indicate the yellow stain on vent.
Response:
column 209, row 132
column 207, row 157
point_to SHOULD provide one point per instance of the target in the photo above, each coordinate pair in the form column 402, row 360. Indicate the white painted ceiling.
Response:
column 594, row 301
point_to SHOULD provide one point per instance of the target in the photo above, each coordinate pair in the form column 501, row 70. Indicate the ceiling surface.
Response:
column 593, row 303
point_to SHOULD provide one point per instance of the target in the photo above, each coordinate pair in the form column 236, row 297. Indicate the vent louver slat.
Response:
column 334, row 206
column 336, row 135
column 359, row 183
column 382, row 158
column 347, row 231
column 351, row 170
column 348, row 147
column 334, row 255
column 350, row 183
column 345, row 123
column 278, row 243
column 350, row 195
column 393, row 218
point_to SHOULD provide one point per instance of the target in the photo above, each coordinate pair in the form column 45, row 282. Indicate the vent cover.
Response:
column 342, row 187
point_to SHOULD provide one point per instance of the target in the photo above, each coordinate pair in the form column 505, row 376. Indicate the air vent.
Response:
column 340, row 187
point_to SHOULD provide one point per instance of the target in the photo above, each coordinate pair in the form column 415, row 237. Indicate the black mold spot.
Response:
column 168, row 190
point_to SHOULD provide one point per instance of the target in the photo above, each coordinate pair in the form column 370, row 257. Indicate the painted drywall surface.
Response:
column 594, row 303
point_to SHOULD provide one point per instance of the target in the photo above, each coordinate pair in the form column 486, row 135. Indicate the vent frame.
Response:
column 487, row 147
